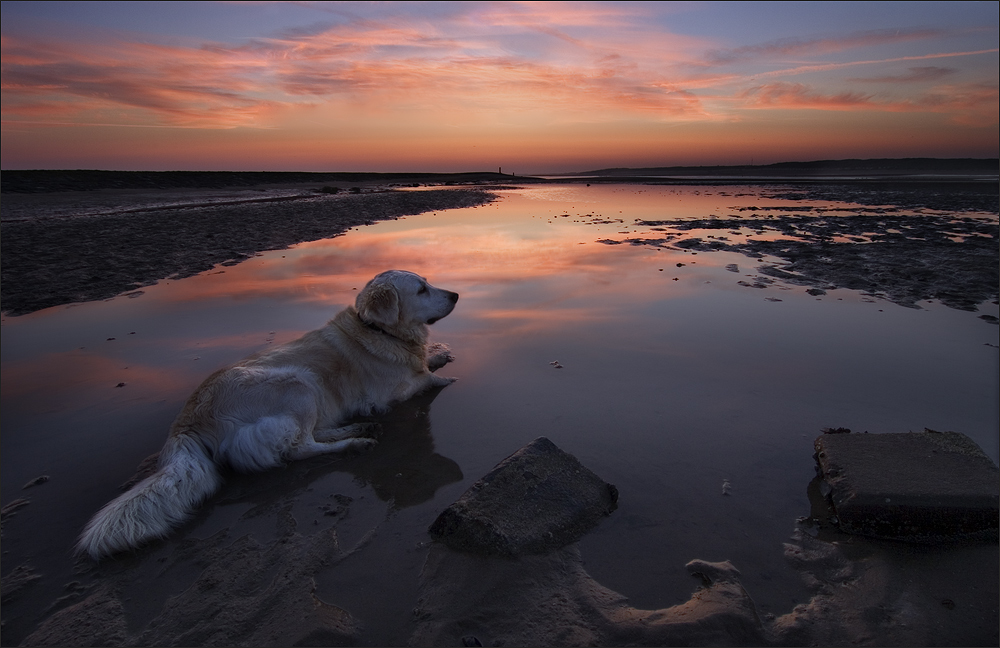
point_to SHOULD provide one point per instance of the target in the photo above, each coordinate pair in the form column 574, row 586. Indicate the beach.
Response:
column 80, row 236
column 62, row 246
column 710, row 293
column 335, row 551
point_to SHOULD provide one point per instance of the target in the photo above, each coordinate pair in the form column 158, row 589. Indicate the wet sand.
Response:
column 65, row 247
column 876, row 250
column 234, row 589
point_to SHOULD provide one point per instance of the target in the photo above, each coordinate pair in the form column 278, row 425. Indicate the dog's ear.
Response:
column 378, row 303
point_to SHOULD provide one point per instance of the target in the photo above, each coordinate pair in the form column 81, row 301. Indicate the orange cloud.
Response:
column 354, row 67
column 478, row 85
column 168, row 85
column 797, row 95
column 972, row 104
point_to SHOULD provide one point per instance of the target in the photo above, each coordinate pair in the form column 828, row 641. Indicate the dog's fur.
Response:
column 283, row 404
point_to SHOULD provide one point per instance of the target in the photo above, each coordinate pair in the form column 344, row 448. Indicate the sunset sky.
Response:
column 530, row 87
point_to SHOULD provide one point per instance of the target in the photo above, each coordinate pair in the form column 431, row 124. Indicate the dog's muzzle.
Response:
column 453, row 297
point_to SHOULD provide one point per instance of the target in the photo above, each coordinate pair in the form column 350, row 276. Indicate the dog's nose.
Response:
column 453, row 297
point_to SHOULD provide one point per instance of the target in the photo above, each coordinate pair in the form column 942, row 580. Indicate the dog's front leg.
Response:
column 308, row 447
column 438, row 355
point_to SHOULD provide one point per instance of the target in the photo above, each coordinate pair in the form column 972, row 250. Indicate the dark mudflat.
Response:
column 77, row 257
column 895, row 244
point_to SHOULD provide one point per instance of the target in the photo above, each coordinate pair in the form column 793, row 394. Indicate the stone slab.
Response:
column 538, row 499
column 916, row 486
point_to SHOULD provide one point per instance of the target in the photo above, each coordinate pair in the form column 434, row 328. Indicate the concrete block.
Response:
column 538, row 499
column 923, row 486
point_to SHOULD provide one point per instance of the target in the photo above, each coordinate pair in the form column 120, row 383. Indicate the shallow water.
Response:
column 670, row 380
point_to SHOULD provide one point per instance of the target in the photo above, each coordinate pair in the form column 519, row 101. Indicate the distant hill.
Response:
column 849, row 168
column 46, row 181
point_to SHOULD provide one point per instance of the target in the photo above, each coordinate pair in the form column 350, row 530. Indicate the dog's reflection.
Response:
column 403, row 468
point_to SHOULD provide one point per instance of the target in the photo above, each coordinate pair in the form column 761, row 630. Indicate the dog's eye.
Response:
column 422, row 291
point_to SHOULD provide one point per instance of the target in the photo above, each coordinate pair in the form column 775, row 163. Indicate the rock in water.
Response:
column 538, row 499
column 918, row 486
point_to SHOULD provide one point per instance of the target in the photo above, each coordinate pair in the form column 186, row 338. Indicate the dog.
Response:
column 285, row 404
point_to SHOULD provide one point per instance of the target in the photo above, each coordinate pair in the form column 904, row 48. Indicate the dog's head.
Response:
column 400, row 301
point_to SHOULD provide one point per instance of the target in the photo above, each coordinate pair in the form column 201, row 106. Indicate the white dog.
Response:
column 285, row 403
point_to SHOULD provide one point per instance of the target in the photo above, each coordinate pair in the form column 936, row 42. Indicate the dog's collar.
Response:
column 378, row 329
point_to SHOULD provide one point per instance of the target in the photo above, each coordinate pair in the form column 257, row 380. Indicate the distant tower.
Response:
column 500, row 170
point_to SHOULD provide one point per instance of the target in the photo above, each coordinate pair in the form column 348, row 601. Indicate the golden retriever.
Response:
column 285, row 403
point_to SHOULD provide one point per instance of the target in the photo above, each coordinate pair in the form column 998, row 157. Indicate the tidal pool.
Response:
column 655, row 366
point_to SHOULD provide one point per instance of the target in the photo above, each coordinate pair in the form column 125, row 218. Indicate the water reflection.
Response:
column 515, row 270
column 405, row 470
column 675, row 378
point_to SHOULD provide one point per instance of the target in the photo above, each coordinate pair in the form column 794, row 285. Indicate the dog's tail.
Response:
column 186, row 475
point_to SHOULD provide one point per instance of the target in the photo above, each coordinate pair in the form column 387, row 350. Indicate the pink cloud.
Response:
column 218, row 87
column 563, row 14
column 508, row 76
column 797, row 95
column 787, row 47
column 913, row 75
column 172, row 86
column 969, row 104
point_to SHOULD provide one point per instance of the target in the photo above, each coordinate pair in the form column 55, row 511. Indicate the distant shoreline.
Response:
column 894, row 169
column 841, row 171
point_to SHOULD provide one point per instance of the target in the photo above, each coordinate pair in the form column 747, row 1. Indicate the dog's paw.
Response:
column 363, row 444
column 369, row 430
column 441, row 381
column 438, row 355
